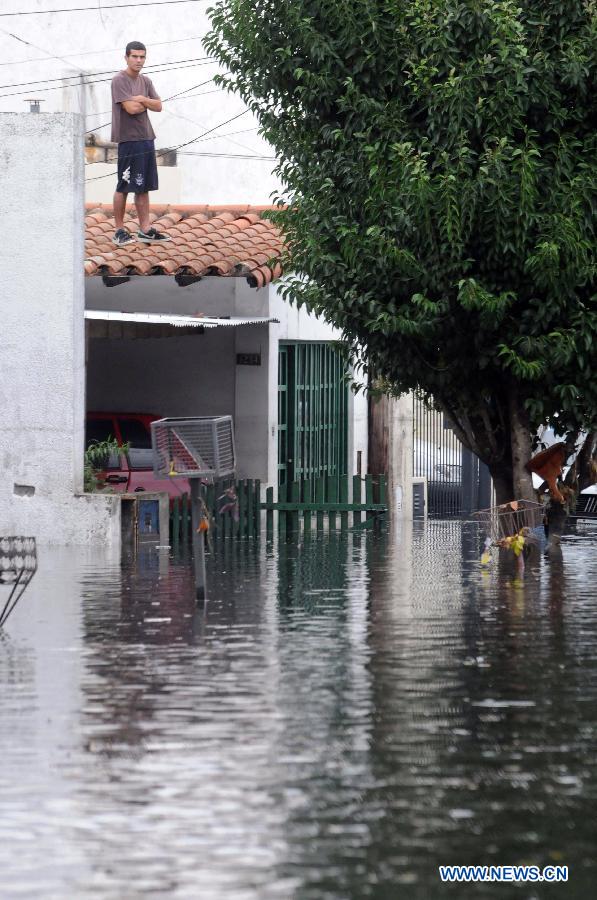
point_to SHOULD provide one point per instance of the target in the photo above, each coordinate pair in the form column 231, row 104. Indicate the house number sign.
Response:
column 248, row 359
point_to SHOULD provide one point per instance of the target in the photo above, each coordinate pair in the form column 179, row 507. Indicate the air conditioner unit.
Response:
column 201, row 447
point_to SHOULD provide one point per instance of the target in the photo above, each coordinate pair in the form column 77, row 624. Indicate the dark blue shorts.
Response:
column 137, row 167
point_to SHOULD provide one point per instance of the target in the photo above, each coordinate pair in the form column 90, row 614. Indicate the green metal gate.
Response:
column 312, row 412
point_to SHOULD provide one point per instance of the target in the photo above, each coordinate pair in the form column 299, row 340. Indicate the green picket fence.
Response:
column 235, row 507
column 313, row 504
column 234, row 511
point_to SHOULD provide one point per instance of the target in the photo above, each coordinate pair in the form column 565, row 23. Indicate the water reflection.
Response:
column 343, row 717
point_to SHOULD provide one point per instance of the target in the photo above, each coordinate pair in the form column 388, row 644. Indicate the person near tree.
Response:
column 133, row 94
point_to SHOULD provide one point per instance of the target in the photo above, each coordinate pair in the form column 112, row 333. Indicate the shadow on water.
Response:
column 348, row 713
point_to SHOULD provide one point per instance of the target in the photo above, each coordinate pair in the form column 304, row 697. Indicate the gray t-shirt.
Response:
column 124, row 126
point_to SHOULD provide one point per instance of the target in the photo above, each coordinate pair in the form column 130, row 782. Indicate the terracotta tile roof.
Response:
column 225, row 240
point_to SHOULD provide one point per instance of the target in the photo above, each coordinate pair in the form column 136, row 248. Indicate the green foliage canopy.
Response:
column 440, row 170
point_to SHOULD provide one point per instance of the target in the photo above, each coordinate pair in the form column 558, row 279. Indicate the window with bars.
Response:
column 312, row 411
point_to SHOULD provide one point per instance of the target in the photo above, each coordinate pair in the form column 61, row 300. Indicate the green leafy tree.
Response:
column 440, row 171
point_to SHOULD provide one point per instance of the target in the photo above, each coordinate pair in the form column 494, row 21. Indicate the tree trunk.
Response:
column 378, row 435
column 502, row 483
column 520, row 431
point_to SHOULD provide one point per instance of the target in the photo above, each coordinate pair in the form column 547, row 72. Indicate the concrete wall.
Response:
column 160, row 293
column 400, row 456
column 176, row 376
column 255, row 421
column 42, row 368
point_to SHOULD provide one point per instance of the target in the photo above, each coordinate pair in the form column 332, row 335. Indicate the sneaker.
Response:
column 151, row 236
column 122, row 237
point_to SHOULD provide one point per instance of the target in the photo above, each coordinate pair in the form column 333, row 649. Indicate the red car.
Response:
column 131, row 471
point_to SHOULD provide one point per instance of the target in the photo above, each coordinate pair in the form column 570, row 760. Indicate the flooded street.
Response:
column 346, row 715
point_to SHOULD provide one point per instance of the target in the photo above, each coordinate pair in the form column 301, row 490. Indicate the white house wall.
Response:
column 42, row 364
column 210, row 296
column 178, row 376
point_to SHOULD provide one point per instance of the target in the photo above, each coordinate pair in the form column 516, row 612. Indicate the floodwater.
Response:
column 346, row 715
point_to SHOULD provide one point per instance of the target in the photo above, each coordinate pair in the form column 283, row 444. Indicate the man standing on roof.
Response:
column 132, row 95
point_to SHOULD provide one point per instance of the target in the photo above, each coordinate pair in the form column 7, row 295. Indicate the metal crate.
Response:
column 201, row 447
column 500, row 522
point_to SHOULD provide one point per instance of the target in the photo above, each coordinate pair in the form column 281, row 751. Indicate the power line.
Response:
column 202, row 153
column 183, row 118
column 227, row 155
column 231, row 133
column 58, row 87
column 227, row 134
column 17, row 62
column 104, row 112
column 179, row 147
column 165, row 100
column 204, row 93
column 27, row 43
column 204, row 60
column 44, row 12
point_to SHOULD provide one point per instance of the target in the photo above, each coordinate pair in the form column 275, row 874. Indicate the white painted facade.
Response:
column 42, row 363
column 400, row 456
